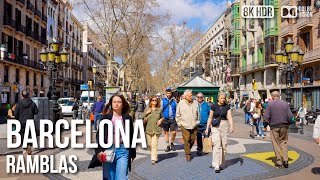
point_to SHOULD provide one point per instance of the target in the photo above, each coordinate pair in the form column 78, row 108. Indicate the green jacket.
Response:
column 153, row 117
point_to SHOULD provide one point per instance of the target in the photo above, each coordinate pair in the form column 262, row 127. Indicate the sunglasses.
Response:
column 199, row 97
column 154, row 100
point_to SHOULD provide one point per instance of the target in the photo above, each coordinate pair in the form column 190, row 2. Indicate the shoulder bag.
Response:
column 216, row 122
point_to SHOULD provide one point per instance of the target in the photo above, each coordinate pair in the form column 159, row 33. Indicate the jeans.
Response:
column 200, row 134
column 257, row 124
column 261, row 128
column 247, row 117
column 97, row 118
column 118, row 169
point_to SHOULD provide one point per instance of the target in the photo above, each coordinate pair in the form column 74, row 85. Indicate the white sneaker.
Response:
column 258, row 135
column 263, row 136
column 94, row 131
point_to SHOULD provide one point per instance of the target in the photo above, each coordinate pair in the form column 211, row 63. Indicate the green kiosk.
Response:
column 198, row 84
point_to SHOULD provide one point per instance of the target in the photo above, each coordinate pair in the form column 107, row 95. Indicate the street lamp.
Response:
column 288, row 60
column 54, row 60
column 94, row 71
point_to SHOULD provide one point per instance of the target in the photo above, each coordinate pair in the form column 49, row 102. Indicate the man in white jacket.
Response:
column 187, row 118
column 316, row 130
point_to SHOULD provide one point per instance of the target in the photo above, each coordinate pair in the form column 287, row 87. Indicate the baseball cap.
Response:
column 168, row 89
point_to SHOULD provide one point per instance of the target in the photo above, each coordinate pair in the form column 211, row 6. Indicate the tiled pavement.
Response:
column 173, row 165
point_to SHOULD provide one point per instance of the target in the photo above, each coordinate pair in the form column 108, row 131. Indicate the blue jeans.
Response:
column 97, row 117
column 118, row 169
column 247, row 117
column 257, row 124
column 261, row 125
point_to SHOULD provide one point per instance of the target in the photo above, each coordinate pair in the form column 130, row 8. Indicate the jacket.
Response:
column 153, row 118
column 170, row 111
column 187, row 114
column 26, row 109
column 132, row 151
column 278, row 114
column 140, row 106
column 98, row 107
column 204, row 111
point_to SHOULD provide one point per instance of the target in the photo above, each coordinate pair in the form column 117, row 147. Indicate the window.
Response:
column 305, row 42
column 17, row 75
column 270, row 49
column 35, row 79
column 27, row 78
column 6, row 74
column 42, row 81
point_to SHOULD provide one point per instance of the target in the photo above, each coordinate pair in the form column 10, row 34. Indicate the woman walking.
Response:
column 153, row 118
column 116, row 169
column 258, row 122
column 221, row 110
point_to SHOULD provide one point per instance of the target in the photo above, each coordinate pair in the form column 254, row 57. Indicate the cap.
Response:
column 168, row 90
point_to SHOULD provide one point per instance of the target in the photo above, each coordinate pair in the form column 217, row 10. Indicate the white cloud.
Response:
column 206, row 10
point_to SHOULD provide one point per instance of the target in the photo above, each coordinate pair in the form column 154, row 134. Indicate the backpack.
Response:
column 248, row 107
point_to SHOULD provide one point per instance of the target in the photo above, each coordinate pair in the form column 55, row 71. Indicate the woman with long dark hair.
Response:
column 153, row 118
column 119, row 167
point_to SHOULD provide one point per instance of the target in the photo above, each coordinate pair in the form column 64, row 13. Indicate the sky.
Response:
column 197, row 13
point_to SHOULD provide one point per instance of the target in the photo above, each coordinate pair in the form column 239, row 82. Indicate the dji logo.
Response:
column 289, row 11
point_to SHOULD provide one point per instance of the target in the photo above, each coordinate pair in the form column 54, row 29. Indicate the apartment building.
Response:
column 306, row 34
column 23, row 28
column 94, row 54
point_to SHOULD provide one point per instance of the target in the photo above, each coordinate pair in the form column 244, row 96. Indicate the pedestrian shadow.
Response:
column 231, row 162
column 179, row 146
column 162, row 157
column 316, row 170
column 274, row 159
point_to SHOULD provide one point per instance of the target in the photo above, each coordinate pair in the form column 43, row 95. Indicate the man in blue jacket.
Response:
column 204, row 111
column 97, row 110
column 169, row 106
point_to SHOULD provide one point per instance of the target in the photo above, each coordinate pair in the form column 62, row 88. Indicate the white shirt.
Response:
column 316, row 128
column 252, row 106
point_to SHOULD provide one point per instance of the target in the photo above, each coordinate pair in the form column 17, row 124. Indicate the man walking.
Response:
column 316, row 130
column 188, row 120
column 139, row 108
column 97, row 110
column 75, row 109
column 279, row 116
column 26, row 110
column 204, row 111
column 168, row 106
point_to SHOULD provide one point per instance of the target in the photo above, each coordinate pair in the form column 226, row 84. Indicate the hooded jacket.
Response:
column 26, row 109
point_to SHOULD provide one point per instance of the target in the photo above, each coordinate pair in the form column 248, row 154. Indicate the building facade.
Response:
column 23, row 28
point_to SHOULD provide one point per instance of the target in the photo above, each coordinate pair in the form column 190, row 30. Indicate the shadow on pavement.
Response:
column 162, row 157
column 274, row 160
column 232, row 162
column 315, row 170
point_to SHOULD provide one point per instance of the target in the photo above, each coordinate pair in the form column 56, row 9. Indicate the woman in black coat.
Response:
column 121, row 164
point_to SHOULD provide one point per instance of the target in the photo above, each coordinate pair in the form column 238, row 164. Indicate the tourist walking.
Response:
column 204, row 111
column 26, row 110
column 302, row 112
column 258, row 122
column 316, row 130
column 75, row 109
column 220, row 119
column 169, row 106
column 139, row 108
column 279, row 116
column 97, row 109
column 153, row 118
column 118, row 167
column 246, row 110
column 188, row 120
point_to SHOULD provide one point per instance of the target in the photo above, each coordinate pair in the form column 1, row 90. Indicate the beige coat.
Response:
column 187, row 114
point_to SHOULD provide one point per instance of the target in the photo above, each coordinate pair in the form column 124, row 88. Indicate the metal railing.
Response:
column 30, row 6
column 9, row 21
column 25, row 62
column 29, row 33
column 260, row 39
column 251, row 44
column 253, row 66
column 44, row 18
column 37, row 13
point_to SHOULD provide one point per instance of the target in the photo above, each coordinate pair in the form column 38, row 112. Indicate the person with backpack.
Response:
column 220, row 119
column 246, row 110
column 168, row 107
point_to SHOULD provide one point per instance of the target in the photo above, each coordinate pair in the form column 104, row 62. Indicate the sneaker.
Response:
column 199, row 153
column 168, row 149
column 188, row 158
column 258, row 135
column 263, row 136
column 153, row 163
column 94, row 131
column 172, row 147
column 285, row 164
column 251, row 123
column 217, row 169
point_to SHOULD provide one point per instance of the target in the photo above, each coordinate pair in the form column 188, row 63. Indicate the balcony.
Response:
column 44, row 18
column 286, row 3
column 303, row 23
column 286, row 31
column 37, row 13
column 244, row 48
column 37, row 37
column 260, row 40
column 9, row 22
column 311, row 55
column 29, row 33
column 59, row 79
column 251, row 44
column 60, row 23
column 253, row 67
column 21, row 2
column 235, row 71
column 20, row 29
column 67, row 80
column 25, row 62
column 44, row 40
column 74, row 65
column 30, row 7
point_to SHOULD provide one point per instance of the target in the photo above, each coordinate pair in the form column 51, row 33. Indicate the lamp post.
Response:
column 94, row 70
column 53, row 59
column 288, row 60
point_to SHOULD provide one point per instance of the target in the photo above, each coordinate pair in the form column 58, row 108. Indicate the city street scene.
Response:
column 213, row 89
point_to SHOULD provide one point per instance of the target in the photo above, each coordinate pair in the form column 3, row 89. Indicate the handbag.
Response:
column 216, row 122
column 92, row 116
column 110, row 154
column 207, row 145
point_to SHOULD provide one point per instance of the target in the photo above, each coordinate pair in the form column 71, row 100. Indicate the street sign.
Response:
column 21, row 88
column 228, row 79
column 84, row 87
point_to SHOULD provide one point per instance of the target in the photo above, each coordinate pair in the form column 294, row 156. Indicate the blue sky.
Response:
column 197, row 13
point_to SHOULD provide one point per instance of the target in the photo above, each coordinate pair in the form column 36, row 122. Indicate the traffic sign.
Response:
column 84, row 87
column 228, row 79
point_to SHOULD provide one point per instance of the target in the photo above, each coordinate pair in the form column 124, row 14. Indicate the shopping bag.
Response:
column 207, row 145
column 92, row 117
